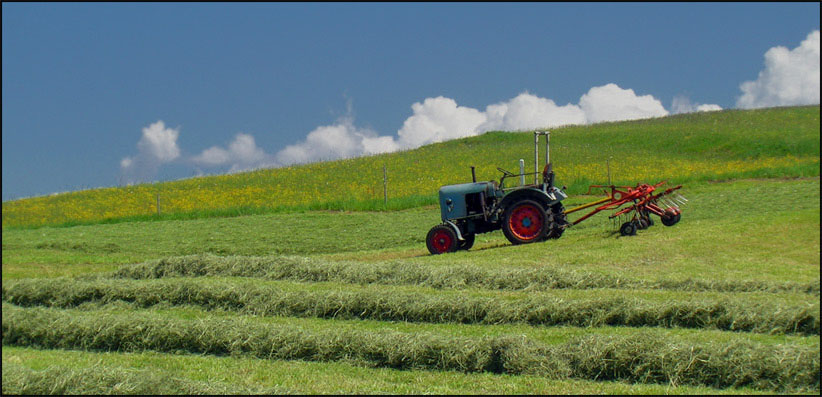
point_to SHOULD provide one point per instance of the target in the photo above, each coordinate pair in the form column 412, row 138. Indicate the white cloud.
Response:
column 339, row 140
column 242, row 154
column 708, row 108
column 612, row 103
column 380, row 144
column 682, row 104
column 436, row 120
column 440, row 119
column 159, row 142
column 126, row 162
column 157, row 145
column 433, row 120
column 527, row 112
column 212, row 156
column 790, row 77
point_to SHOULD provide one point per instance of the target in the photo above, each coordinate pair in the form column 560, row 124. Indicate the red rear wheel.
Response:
column 441, row 239
column 524, row 222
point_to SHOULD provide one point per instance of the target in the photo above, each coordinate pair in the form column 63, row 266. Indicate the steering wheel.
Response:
column 506, row 173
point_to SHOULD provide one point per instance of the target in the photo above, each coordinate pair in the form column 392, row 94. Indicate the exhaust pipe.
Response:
column 521, row 172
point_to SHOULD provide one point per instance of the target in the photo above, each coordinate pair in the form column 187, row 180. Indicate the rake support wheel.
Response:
column 645, row 220
column 670, row 218
column 628, row 229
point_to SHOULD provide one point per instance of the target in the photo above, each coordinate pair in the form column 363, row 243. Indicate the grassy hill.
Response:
column 687, row 148
column 287, row 300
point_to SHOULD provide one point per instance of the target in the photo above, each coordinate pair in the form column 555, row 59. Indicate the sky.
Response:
column 110, row 94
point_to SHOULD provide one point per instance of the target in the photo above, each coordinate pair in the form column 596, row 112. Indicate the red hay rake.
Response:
column 642, row 202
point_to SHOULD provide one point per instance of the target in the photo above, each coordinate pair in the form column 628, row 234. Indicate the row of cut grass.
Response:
column 547, row 335
column 299, row 377
column 390, row 303
column 641, row 358
column 101, row 379
column 447, row 276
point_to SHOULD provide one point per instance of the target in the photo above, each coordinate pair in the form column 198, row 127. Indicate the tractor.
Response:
column 526, row 213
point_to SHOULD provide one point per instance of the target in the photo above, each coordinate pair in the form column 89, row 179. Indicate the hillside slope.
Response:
column 777, row 142
column 725, row 301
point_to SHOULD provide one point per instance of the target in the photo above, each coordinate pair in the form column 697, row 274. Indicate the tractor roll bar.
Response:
column 536, row 152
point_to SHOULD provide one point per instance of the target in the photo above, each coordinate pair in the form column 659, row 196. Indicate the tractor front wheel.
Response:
column 524, row 222
column 441, row 239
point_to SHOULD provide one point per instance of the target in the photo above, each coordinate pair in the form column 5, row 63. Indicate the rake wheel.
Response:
column 670, row 218
column 628, row 229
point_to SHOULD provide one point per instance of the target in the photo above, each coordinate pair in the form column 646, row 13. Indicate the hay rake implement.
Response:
column 642, row 200
column 530, row 213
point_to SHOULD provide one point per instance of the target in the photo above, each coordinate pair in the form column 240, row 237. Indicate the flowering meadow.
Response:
column 686, row 148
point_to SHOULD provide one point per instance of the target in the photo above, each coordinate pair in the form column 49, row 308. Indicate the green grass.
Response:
column 753, row 239
column 293, row 297
column 706, row 146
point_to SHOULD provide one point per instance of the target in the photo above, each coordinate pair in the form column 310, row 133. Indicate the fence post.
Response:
column 158, row 204
column 384, row 185
column 608, row 164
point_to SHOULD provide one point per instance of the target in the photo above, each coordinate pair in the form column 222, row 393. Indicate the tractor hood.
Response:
column 452, row 198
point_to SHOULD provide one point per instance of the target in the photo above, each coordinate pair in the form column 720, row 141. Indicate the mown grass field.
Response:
column 724, row 302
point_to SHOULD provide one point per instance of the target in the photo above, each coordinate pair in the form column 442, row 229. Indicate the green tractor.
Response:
column 526, row 213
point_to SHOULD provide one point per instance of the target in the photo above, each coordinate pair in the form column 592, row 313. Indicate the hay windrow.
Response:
column 385, row 304
column 403, row 273
column 643, row 358
column 99, row 379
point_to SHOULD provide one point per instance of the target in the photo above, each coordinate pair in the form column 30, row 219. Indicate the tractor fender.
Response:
column 537, row 195
column 456, row 230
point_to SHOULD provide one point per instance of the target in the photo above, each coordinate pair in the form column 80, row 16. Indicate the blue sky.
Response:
column 104, row 94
